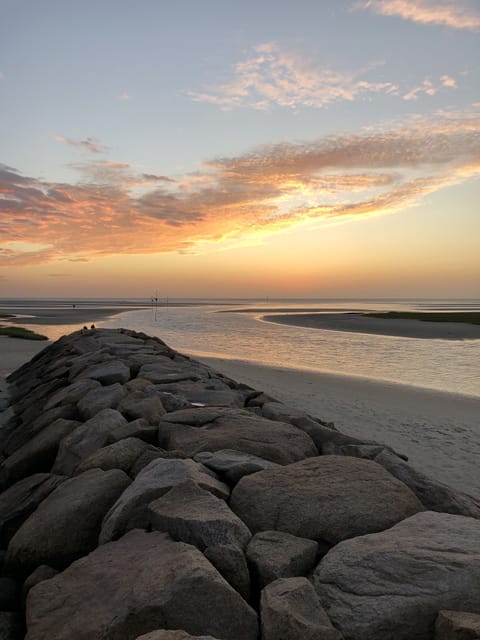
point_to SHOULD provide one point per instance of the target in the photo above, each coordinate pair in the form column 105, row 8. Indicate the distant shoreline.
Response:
column 359, row 323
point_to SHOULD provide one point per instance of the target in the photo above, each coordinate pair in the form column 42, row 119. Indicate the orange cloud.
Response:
column 457, row 15
column 236, row 198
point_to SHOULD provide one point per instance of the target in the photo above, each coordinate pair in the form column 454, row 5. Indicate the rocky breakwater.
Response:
column 147, row 497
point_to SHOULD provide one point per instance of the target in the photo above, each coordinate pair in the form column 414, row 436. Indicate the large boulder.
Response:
column 72, row 393
column 130, row 510
column 107, row 372
column 86, row 439
column 457, row 625
column 21, row 499
column 434, row 495
column 67, row 523
column 233, row 465
column 290, row 610
column 275, row 554
column 229, row 561
column 38, row 454
column 137, row 404
column 328, row 499
column 391, row 585
column 242, row 431
column 119, row 455
column 141, row 583
column 100, row 398
column 191, row 514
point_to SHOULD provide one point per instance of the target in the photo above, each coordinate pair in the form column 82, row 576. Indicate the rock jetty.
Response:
column 146, row 496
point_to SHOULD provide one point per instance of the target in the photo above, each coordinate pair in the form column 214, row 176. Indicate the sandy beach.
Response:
column 387, row 327
column 438, row 431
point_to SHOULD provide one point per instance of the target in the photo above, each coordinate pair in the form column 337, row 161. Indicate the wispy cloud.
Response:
column 59, row 275
column 88, row 144
column 124, row 96
column 458, row 14
column 272, row 76
column 275, row 187
column 430, row 88
column 1, row 76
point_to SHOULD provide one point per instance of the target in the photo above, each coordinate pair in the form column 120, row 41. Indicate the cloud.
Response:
column 2, row 77
column 458, row 14
column 89, row 144
column 59, row 275
column 276, row 77
column 428, row 88
column 232, row 199
column 124, row 96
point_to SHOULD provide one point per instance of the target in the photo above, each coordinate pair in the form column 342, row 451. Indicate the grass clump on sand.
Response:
column 20, row 332
column 469, row 317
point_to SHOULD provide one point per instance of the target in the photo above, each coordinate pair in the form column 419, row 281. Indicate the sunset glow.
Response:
column 257, row 161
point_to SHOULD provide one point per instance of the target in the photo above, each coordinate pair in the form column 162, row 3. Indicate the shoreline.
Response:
column 437, row 430
column 357, row 323
column 63, row 316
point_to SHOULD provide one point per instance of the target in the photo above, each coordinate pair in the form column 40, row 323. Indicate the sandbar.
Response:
column 358, row 323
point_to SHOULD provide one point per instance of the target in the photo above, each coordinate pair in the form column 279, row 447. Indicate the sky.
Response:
column 268, row 148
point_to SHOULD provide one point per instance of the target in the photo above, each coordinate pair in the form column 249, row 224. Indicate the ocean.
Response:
column 201, row 327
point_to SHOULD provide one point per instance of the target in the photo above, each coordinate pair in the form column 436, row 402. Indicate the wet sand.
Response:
column 359, row 323
column 58, row 316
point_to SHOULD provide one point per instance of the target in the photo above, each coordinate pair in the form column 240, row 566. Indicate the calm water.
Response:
column 206, row 329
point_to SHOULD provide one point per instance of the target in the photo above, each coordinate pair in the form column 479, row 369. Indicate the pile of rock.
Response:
column 148, row 497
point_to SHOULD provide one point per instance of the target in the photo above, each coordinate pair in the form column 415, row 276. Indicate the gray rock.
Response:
column 172, row 635
column 457, row 625
column 21, row 499
column 67, row 523
column 86, row 439
column 391, row 585
column 242, row 431
column 434, row 495
column 130, row 510
column 166, row 370
column 275, row 554
column 191, row 514
column 127, row 588
column 119, row 455
column 173, row 402
column 37, row 455
column 41, row 573
column 290, row 610
column 230, row 562
column 73, row 393
column 233, row 464
column 328, row 499
column 198, row 416
column 25, row 432
column 154, row 453
column 322, row 434
column 138, row 405
column 108, row 372
column 209, row 392
column 139, row 429
column 101, row 398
